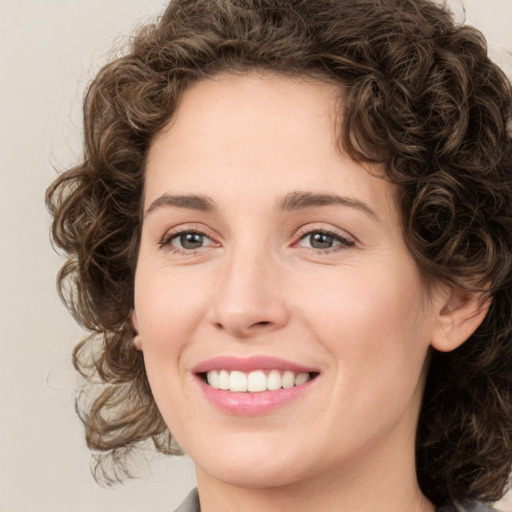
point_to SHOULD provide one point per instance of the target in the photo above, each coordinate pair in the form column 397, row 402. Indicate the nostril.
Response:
column 260, row 323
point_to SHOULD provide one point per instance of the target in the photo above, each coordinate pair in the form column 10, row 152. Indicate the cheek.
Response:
column 354, row 302
column 168, row 308
column 375, row 325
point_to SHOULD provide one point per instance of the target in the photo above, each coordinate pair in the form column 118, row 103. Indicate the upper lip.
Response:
column 250, row 364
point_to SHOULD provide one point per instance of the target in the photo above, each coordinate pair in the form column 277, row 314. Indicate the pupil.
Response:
column 321, row 241
column 191, row 240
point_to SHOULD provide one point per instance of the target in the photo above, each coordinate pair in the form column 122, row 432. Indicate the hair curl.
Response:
column 420, row 96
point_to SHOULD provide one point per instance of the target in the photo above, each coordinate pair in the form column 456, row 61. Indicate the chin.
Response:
column 252, row 465
column 252, row 475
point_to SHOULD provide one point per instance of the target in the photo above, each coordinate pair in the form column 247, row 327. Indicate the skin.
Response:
column 357, row 311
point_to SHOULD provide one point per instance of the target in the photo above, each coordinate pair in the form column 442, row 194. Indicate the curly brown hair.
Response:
column 420, row 96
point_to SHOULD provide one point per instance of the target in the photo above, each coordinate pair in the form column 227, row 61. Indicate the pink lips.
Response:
column 251, row 404
column 250, row 364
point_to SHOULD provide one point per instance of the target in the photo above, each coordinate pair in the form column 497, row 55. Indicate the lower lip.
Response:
column 253, row 404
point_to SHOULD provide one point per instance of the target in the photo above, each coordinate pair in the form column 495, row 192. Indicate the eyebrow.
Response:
column 304, row 200
column 290, row 202
column 188, row 201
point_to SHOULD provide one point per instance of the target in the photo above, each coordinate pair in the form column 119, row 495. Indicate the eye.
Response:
column 323, row 240
column 186, row 241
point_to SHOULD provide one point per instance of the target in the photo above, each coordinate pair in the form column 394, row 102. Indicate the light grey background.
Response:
column 49, row 50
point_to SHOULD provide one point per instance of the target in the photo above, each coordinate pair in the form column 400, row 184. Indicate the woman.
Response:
column 290, row 238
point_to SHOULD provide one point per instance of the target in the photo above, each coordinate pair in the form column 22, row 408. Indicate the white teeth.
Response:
column 274, row 380
column 301, row 378
column 224, row 380
column 288, row 380
column 213, row 379
column 256, row 381
column 237, row 381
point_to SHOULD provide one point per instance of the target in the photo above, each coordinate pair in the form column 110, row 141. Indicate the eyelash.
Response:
column 344, row 243
column 165, row 242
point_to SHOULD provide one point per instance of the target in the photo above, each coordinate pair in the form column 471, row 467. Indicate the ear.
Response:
column 137, row 341
column 459, row 316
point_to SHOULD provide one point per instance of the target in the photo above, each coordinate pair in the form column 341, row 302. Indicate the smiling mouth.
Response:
column 256, row 381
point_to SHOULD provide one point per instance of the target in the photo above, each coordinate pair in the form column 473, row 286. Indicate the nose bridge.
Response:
column 248, row 298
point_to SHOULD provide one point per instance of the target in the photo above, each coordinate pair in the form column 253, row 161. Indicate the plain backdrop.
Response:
column 49, row 51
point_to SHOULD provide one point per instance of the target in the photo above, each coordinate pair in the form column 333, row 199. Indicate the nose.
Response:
column 249, row 299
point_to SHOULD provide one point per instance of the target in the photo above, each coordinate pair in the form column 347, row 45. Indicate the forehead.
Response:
column 256, row 106
column 257, row 135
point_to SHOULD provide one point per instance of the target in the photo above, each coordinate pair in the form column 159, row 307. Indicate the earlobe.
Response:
column 137, row 341
column 459, row 317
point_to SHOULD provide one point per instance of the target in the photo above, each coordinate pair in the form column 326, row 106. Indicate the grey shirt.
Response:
column 191, row 504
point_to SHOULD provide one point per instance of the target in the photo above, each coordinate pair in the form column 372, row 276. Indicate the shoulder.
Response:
column 191, row 503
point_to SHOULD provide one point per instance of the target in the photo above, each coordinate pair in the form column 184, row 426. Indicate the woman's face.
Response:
column 270, row 260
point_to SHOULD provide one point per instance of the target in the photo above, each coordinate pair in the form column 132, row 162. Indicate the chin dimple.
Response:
column 256, row 381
